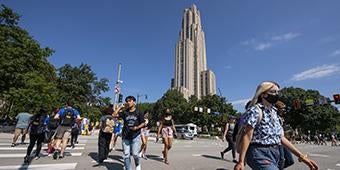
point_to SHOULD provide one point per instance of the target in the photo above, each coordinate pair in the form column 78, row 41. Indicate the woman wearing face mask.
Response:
column 264, row 133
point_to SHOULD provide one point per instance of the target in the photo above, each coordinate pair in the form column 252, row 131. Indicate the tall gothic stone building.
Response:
column 192, row 77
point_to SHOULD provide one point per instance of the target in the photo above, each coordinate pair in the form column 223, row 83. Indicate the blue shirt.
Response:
column 269, row 130
column 61, row 112
column 23, row 120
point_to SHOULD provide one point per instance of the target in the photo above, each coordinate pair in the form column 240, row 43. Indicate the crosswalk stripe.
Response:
column 337, row 165
column 21, row 155
column 60, row 166
column 25, row 148
column 106, row 160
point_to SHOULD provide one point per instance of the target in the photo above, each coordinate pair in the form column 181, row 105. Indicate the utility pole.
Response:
column 117, row 86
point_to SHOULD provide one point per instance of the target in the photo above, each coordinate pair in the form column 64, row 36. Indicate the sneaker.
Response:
column 72, row 146
column 13, row 145
column 222, row 155
column 61, row 156
column 26, row 159
column 55, row 154
column 144, row 156
column 36, row 157
column 235, row 161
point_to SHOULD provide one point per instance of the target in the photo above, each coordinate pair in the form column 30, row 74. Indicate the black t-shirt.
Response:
column 131, row 119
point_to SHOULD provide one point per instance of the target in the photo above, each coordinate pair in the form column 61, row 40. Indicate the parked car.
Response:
column 184, row 134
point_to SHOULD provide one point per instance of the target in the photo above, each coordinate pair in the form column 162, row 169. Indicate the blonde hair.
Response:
column 262, row 88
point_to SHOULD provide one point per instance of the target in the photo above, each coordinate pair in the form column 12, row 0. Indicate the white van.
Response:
column 192, row 128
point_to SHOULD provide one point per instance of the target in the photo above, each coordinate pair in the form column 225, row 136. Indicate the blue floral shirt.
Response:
column 269, row 130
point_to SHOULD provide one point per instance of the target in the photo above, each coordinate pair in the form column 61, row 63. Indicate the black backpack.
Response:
column 68, row 118
column 53, row 124
column 37, row 125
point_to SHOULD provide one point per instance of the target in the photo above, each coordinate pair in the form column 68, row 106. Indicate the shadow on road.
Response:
column 155, row 157
column 215, row 157
column 108, row 165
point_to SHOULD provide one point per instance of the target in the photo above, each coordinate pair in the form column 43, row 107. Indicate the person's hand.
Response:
column 134, row 128
column 239, row 166
column 312, row 164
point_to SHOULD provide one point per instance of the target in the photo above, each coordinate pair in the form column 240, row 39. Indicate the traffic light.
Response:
column 336, row 98
column 120, row 98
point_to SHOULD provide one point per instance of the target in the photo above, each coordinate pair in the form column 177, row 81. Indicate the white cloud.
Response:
column 240, row 102
column 248, row 42
column 317, row 72
column 336, row 52
column 227, row 67
column 285, row 37
column 262, row 46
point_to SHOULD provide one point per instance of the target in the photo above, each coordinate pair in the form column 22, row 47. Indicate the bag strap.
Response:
column 260, row 114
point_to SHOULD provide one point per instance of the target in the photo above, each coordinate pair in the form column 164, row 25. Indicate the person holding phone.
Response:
column 133, row 122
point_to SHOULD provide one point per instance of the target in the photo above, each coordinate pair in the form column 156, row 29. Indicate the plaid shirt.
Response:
column 269, row 130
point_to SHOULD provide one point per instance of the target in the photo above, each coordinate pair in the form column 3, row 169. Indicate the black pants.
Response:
column 231, row 146
column 74, row 137
column 103, row 145
column 39, row 138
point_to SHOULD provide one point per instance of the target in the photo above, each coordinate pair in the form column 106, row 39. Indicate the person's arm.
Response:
column 78, row 118
column 159, row 131
column 57, row 116
column 117, row 110
column 249, row 130
column 173, row 127
column 226, row 128
column 142, row 124
column 302, row 157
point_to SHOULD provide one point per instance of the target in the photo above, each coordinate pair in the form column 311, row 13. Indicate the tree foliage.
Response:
column 29, row 82
column 183, row 110
column 25, row 73
column 315, row 117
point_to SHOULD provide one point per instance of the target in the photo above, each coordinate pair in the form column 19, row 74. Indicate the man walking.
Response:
column 68, row 117
column 21, row 127
column 133, row 122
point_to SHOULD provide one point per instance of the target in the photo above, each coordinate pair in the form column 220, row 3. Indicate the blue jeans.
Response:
column 131, row 147
column 266, row 158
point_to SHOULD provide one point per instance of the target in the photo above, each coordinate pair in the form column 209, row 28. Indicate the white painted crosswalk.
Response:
column 59, row 166
column 17, row 153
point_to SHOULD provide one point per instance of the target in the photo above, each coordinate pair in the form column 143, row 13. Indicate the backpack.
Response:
column 108, row 125
column 53, row 124
column 242, row 129
column 37, row 125
column 68, row 118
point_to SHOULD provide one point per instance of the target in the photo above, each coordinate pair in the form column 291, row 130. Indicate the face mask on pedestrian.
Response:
column 271, row 98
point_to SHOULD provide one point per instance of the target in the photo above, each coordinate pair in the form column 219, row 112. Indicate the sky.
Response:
column 295, row 43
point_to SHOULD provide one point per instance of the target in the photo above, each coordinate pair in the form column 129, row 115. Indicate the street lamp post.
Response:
column 141, row 95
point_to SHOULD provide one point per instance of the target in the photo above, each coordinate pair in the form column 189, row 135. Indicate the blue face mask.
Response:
column 271, row 98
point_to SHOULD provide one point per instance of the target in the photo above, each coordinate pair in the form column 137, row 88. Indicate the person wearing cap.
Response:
column 229, row 128
column 264, row 134
column 131, row 140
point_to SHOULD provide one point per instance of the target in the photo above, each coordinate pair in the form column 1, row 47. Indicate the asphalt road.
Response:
column 197, row 154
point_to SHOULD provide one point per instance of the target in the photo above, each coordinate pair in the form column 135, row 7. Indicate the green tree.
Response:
column 25, row 73
column 80, row 85
column 315, row 117
column 175, row 101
